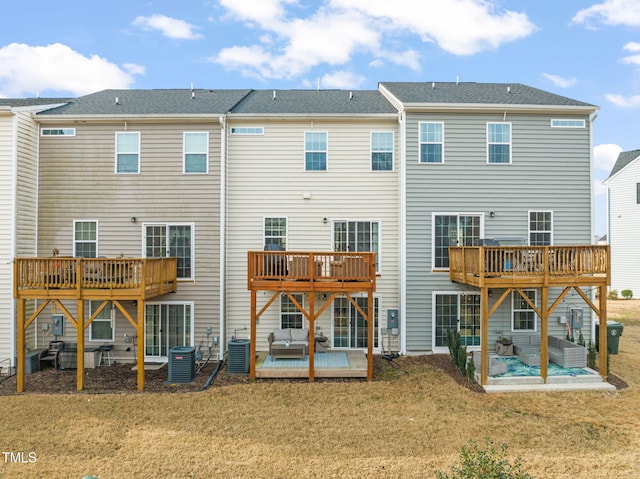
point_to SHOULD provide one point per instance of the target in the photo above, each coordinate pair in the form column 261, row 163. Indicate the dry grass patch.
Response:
column 407, row 423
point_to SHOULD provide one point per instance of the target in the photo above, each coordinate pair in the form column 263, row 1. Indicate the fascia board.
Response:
column 307, row 116
column 473, row 108
column 613, row 177
column 123, row 117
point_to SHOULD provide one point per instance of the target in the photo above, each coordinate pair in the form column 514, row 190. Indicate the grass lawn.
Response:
column 406, row 424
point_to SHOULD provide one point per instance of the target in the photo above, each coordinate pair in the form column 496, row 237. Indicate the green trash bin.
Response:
column 614, row 331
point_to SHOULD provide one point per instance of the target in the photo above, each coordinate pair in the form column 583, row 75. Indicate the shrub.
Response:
column 489, row 463
column 462, row 359
column 626, row 293
column 471, row 369
column 591, row 355
column 453, row 341
column 613, row 294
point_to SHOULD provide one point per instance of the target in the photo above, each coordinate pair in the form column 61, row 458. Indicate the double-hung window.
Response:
column 357, row 236
column 498, row 143
column 102, row 325
column 290, row 315
column 128, row 152
column 523, row 316
column 176, row 241
column 453, row 230
column 381, row 150
column 315, row 151
column 275, row 232
column 540, row 228
column 431, row 142
column 85, row 239
column 196, row 152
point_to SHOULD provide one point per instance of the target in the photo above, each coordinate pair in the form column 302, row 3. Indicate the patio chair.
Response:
column 495, row 367
column 51, row 355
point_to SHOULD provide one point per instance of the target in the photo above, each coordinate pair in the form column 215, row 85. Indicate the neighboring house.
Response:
column 623, row 195
column 483, row 160
column 313, row 171
column 18, row 215
column 136, row 173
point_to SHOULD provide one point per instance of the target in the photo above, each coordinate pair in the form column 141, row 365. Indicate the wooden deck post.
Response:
column 602, row 340
column 252, row 345
column 20, row 371
column 370, row 335
column 544, row 333
column 80, row 350
column 484, row 336
column 312, row 341
column 140, row 340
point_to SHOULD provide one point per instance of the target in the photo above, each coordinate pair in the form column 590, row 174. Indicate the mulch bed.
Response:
column 120, row 378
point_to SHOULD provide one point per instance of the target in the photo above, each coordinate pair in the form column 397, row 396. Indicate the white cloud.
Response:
column 611, row 12
column 632, row 47
column 335, row 32
column 605, row 156
column 560, row 81
column 342, row 80
column 26, row 70
column 622, row 101
column 169, row 27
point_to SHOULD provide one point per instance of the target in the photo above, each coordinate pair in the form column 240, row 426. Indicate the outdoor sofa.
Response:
column 561, row 351
column 292, row 336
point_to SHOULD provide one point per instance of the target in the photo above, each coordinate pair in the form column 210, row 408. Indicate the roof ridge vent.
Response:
column 433, row 85
column 508, row 89
column 274, row 95
column 350, row 95
column 117, row 101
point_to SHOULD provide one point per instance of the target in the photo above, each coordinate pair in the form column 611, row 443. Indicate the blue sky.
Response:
column 588, row 50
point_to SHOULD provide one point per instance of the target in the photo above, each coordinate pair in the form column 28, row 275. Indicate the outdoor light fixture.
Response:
column 492, row 214
column 134, row 219
column 324, row 220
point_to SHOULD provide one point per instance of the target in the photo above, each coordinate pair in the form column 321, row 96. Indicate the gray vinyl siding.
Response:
column 266, row 178
column 550, row 170
column 78, row 182
column 623, row 229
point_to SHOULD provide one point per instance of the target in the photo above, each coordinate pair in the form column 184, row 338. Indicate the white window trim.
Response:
column 286, row 239
column 74, row 235
column 434, row 294
column 393, row 153
column 326, row 152
column 556, row 123
column 116, row 153
column 111, row 321
column 247, row 130
column 433, row 234
column 514, row 295
column 529, row 230
column 369, row 220
column 381, row 323
column 184, row 153
column 64, row 134
column 193, row 247
column 305, row 323
column 420, row 143
column 510, row 143
column 191, row 328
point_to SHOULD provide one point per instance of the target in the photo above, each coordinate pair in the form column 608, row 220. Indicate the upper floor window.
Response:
column 247, row 130
column 382, row 150
column 127, row 152
column 523, row 316
column 58, row 132
column 315, row 151
column 196, row 152
column 499, row 142
column 431, row 142
column 275, row 232
column 453, row 230
column 85, row 239
column 175, row 241
column 567, row 123
column 540, row 228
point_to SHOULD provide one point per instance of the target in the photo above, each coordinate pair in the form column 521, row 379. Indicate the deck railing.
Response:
column 311, row 266
column 492, row 261
column 62, row 273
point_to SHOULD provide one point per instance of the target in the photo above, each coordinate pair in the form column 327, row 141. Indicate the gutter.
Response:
column 402, row 227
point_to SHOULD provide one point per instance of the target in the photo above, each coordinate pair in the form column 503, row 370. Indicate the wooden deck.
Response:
column 334, row 273
column 58, row 279
column 529, row 266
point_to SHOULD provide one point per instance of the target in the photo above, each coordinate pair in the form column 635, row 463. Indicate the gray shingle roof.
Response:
column 477, row 93
column 314, row 102
column 18, row 102
column 624, row 158
column 152, row 102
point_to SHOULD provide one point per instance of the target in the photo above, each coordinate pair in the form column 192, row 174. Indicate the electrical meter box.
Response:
column 57, row 324
column 577, row 318
column 392, row 321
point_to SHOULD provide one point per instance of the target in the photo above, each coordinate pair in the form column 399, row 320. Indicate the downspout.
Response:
column 402, row 227
column 592, row 118
column 13, row 237
column 223, row 233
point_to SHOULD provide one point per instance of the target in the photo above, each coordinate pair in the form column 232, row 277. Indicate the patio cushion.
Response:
column 282, row 334
column 299, row 334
